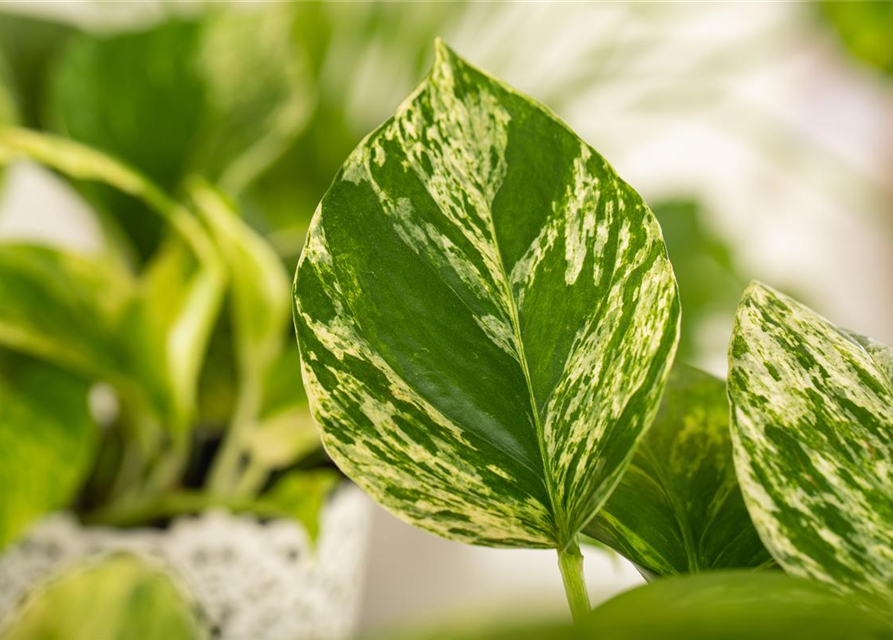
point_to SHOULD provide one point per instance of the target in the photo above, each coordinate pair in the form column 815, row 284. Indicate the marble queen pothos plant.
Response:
column 487, row 321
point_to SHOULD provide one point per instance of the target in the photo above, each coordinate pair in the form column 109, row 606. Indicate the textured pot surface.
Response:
column 250, row 580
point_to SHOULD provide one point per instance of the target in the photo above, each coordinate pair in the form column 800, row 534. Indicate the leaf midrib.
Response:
column 559, row 535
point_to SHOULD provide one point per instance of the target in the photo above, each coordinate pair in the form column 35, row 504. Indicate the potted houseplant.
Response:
column 488, row 323
column 154, row 381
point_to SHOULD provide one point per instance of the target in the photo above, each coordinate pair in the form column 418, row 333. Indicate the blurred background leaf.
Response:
column 710, row 278
column 46, row 445
column 343, row 44
column 65, row 308
column 728, row 605
column 864, row 29
column 221, row 96
column 119, row 598
column 29, row 44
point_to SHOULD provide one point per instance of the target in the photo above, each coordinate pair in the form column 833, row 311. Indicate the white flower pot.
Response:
column 250, row 580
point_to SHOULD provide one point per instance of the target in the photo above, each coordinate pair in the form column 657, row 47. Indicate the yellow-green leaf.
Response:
column 171, row 311
column 169, row 326
column 64, row 308
column 119, row 598
column 47, row 441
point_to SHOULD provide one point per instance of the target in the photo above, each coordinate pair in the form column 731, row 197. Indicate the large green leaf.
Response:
column 729, row 605
column 47, row 441
column 486, row 316
column 678, row 508
column 119, row 598
column 812, row 418
column 221, row 96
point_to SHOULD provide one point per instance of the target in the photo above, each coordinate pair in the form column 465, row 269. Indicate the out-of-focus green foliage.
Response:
column 29, row 45
column 704, row 263
column 47, row 441
column 8, row 108
column 734, row 606
column 146, row 332
column 300, row 495
column 120, row 598
column 342, row 42
column 65, row 308
column 722, row 605
column 221, row 96
column 864, row 28
column 259, row 310
column 153, row 330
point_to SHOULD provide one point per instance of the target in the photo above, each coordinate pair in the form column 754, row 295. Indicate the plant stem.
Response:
column 225, row 469
column 570, row 561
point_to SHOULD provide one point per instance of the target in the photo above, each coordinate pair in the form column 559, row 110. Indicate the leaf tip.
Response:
column 443, row 54
column 757, row 291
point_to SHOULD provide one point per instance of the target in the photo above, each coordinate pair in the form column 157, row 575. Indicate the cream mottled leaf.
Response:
column 486, row 316
column 812, row 415
column 678, row 508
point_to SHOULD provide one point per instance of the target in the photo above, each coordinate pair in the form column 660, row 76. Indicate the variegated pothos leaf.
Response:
column 812, row 415
column 486, row 316
column 678, row 508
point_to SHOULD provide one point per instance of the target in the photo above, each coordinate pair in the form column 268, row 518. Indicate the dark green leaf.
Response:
column 29, row 44
column 812, row 418
column 222, row 97
column 678, row 508
column 486, row 316
column 119, row 598
column 47, row 442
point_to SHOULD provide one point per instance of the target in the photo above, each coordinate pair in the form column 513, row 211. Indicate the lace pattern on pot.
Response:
column 251, row 580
